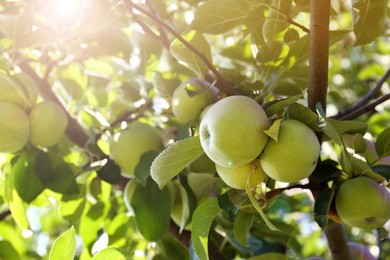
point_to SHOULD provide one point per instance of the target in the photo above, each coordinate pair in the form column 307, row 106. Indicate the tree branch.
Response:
column 221, row 83
column 363, row 102
column 367, row 108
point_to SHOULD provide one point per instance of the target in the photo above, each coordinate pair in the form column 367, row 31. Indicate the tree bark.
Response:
column 317, row 91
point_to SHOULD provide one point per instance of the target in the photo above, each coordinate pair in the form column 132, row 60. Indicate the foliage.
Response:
column 109, row 63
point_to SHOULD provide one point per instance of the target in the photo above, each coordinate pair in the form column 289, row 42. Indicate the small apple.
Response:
column 359, row 252
column 232, row 131
column 186, row 107
column 238, row 177
column 128, row 145
column 361, row 202
column 48, row 122
column 14, row 128
column 294, row 156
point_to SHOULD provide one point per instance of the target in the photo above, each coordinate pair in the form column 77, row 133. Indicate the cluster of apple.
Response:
column 22, row 121
column 232, row 134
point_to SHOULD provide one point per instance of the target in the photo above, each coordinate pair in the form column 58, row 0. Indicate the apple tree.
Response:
column 218, row 129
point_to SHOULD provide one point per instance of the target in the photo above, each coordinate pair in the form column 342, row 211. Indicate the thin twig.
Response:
column 163, row 34
column 370, row 95
column 367, row 108
column 222, row 83
column 5, row 214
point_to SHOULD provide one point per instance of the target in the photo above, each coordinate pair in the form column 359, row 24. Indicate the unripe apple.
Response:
column 128, row 145
column 238, row 177
column 359, row 252
column 361, row 202
column 14, row 128
column 232, row 131
column 187, row 108
column 48, row 122
column 294, row 156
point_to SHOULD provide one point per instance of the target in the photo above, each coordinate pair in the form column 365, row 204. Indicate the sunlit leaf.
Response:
column 110, row 253
column 201, row 222
column 190, row 59
column 275, row 22
column 273, row 131
column 174, row 159
column 220, row 16
column 303, row 114
column 64, row 247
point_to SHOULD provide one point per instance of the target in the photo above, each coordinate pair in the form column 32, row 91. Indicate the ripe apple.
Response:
column 359, row 252
column 187, row 108
column 48, row 122
column 128, row 145
column 361, row 202
column 14, row 128
column 232, row 131
column 294, row 156
column 237, row 177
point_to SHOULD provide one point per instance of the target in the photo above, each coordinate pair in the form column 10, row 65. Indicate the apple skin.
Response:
column 48, row 122
column 361, row 202
column 359, row 252
column 128, row 145
column 232, row 131
column 237, row 177
column 294, row 156
column 187, row 108
column 14, row 128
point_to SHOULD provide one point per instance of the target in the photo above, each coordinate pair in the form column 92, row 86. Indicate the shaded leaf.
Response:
column 278, row 106
column 242, row 224
column 322, row 205
column 303, row 114
column 174, row 159
column 110, row 172
column 7, row 251
column 201, row 222
column 382, row 145
column 152, row 208
column 142, row 170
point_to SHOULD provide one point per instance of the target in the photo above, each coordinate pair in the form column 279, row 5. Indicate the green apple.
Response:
column 48, row 122
column 294, row 156
column 232, row 131
column 359, row 252
column 186, row 107
column 128, row 145
column 361, row 202
column 14, row 128
column 203, row 165
column 238, row 177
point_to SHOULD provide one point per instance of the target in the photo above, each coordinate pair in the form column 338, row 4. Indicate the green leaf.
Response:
column 7, row 251
column 322, row 205
column 55, row 173
column 242, row 224
column 110, row 253
column 369, row 20
column 273, row 131
column 382, row 144
column 142, row 170
column 275, row 22
column 220, row 16
column 187, row 57
column 152, row 208
column 110, row 172
column 341, row 127
column 278, row 106
column 25, row 176
column 64, row 247
column 201, row 223
column 383, row 170
column 174, row 159
column 72, row 206
column 305, row 115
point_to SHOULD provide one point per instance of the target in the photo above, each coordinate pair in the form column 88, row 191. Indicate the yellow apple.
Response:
column 361, row 202
column 48, row 122
column 186, row 107
column 238, row 177
column 14, row 128
column 128, row 145
column 232, row 131
column 294, row 156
